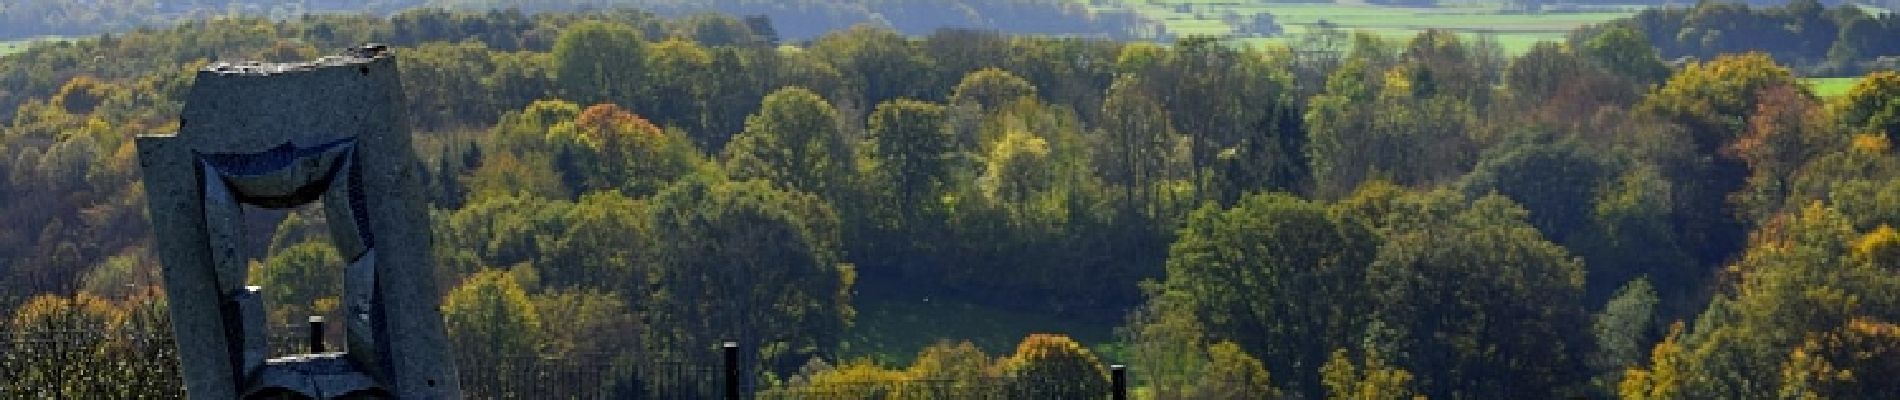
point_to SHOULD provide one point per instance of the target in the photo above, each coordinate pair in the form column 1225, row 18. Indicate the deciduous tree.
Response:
column 793, row 141
column 1280, row 276
column 601, row 62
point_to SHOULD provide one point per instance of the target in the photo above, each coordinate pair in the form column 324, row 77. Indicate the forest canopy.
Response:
column 797, row 20
column 1344, row 215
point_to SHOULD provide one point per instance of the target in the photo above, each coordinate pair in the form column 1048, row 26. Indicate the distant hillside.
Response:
column 794, row 19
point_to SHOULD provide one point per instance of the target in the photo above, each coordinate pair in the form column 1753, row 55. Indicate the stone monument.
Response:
column 280, row 136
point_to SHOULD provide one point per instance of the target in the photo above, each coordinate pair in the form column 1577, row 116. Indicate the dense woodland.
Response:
column 1348, row 216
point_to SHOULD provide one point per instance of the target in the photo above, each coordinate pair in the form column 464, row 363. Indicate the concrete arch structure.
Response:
column 279, row 136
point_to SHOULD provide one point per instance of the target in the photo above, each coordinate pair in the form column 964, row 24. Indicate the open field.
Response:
column 1514, row 32
column 1830, row 87
column 8, row 47
column 14, row 46
column 892, row 327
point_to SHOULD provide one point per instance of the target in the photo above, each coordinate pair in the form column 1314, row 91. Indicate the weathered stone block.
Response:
column 278, row 136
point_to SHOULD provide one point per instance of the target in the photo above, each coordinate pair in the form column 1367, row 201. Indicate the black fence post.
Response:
column 1118, row 377
column 732, row 370
column 316, row 334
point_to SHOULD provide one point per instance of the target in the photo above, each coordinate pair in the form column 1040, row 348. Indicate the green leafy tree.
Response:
column 1540, row 71
column 1555, row 182
column 1235, row 145
column 916, row 153
column 878, row 64
column 1048, row 366
column 1633, row 236
column 961, row 361
column 1857, row 180
column 1438, row 61
column 628, row 153
column 493, row 323
column 586, row 323
column 1232, row 374
column 1165, row 340
column 85, row 346
column 519, row 78
column 601, row 62
column 793, row 141
column 1711, row 101
column 1280, row 276
column 1481, row 304
column 1624, row 52
column 748, row 262
column 299, row 226
column 1019, row 169
column 1869, row 107
column 491, row 314
column 736, row 78
column 955, row 370
column 444, row 83
column 1715, row 98
column 1136, row 145
column 1340, row 130
column 303, row 280
column 1800, row 286
column 1785, row 131
column 721, row 30
column 1369, row 378
column 855, row 379
column 1410, row 123
column 991, row 88
column 1849, row 363
column 507, row 173
column 605, row 241
column 1624, row 330
column 502, row 230
column 122, row 276
column 78, row 327
column 1666, row 375
column 679, row 82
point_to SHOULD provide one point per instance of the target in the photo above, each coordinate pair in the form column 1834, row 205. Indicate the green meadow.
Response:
column 9, row 47
column 1515, row 32
column 13, row 46
column 1830, row 87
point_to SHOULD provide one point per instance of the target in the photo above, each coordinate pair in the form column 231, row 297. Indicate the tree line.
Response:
column 793, row 20
column 1347, row 215
column 1843, row 40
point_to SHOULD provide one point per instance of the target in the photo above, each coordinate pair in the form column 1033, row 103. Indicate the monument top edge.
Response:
column 354, row 57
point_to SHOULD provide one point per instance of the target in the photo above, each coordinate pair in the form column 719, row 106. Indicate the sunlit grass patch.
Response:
column 14, row 46
column 1515, row 33
column 10, row 47
column 1830, row 87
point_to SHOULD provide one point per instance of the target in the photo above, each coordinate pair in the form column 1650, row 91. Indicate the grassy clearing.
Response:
column 9, row 47
column 891, row 328
column 14, row 46
column 1514, row 32
column 1830, row 87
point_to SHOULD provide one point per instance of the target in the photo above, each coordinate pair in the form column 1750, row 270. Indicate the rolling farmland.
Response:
column 1514, row 32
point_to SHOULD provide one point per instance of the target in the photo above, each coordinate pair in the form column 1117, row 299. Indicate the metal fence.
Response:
column 88, row 364
column 142, row 364
column 986, row 387
column 981, row 388
column 589, row 376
